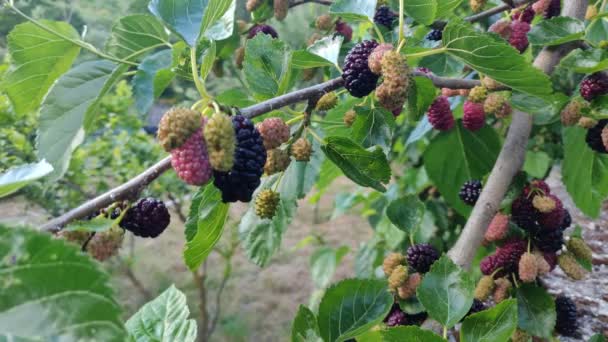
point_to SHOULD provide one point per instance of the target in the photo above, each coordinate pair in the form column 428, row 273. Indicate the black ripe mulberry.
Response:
column 549, row 240
column 594, row 137
column 147, row 218
column 435, row 35
column 440, row 114
column 359, row 80
column 420, row 257
column 506, row 258
column 594, row 85
column 524, row 214
column 470, row 191
column 250, row 156
column 262, row 28
column 385, row 16
column 566, row 322
column 554, row 9
column 476, row 307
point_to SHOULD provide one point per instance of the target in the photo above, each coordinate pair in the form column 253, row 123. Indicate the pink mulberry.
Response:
column 191, row 162
column 474, row 116
column 519, row 35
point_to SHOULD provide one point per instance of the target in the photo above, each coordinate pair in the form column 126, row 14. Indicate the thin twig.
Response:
column 302, row 2
column 178, row 207
column 487, row 13
column 218, row 298
column 137, row 283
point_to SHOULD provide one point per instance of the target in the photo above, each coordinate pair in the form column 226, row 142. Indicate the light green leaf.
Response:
column 422, row 94
column 300, row 177
column 406, row 213
column 493, row 57
column 218, row 22
column 351, row 307
column 163, row 319
column 460, row 155
column 135, row 35
column 544, row 110
column 354, row 9
column 303, row 59
column 584, row 171
column 304, row 327
column 38, row 59
column 323, row 264
column 374, row 127
column 445, row 8
column 446, row 292
column 327, row 48
column 98, row 224
column 266, row 65
column 423, row 11
column 68, row 110
column 205, row 225
column 493, row 325
column 153, row 75
column 586, row 61
column 537, row 164
column 51, row 291
column 18, row 177
column 401, row 334
column 535, row 310
column 208, row 58
column 184, row 18
column 597, row 30
column 366, row 168
column 556, row 31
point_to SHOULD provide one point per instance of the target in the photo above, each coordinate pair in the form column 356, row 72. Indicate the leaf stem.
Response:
column 296, row 119
column 316, row 137
column 378, row 33
column 401, row 22
column 77, row 42
column 426, row 53
column 197, row 81
column 445, row 332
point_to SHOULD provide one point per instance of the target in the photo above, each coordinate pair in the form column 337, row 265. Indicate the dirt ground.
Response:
column 258, row 304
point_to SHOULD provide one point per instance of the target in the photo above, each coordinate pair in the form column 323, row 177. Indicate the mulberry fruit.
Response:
column 520, row 336
column 587, row 122
column 349, row 118
column 501, row 292
column 544, row 204
column 266, row 203
column 542, row 264
column 344, row 30
column 281, row 7
column 239, row 183
column 221, row 142
column 313, row 39
column 502, row 28
column 440, row 114
column 176, row 126
column 420, row 257
column 301, row 150
column 525, row 14
column 396, row 317
column 477, row 5
column 408, row 289
column 397, row 277
column 524, row 214
column 327, row 102
column 579, row 249
column 391, row 261
column 519, row 35
column 252, row 5
column 490, row 83
column 605, row 137
column 537, row 186
column 76, row 236
column 592, row 11
column 435, row 35
column 191, row 161
column 478, row 94
column 484, row 288
column 474, row 117
column 277, row 160
column 262, row 28
column 566, row 323
column 476, row 307
column 498, row 105
column 359, row 80
column 274, row 132
column 567, row 222
column 470, row 191
column 393, row 91
column 554, row 9
column 594, row 85
column 385, row 16
column 550, row 240
column 540, row 7
column 104, row 245
column 324, row 22
column 572, row 113
column 567, row 262
column 528, row 268
column 498, row 228
column 551, row 259
column 239, row 57
column 554, row 218
column 375, row 58
column 506, row 258
column 147, row 218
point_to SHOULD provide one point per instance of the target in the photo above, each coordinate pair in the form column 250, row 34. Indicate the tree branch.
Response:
column 302, row 2
column 487, row 13
column 446, row 82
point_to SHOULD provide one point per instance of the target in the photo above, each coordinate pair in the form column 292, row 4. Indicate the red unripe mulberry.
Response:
column 474, row 116
column 440, row 115
column 498, row 228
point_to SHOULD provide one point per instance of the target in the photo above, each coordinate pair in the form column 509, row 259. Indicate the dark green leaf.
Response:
column 537, row 164
column 493, row 325
column 401, row 334
column 460, row 155
column 97, row 224
column 535, row 310
column 597, row 30
column 421, row 96
column 493, row 57
column 423, row 11
column 586, row 61
column 205, row 225
column 18, row 177
column 351, row 307
column 135, row 35
column 366, row 168
column 445, row 8
column 354, row 9
column 304, row 327
column 597, row 338
column 333, row 122
column 556, row 31
column 303, row 59
column 153, row 76
column 374, row 127
column 163, row 319
column 266, row 65
column 324, row 52
column 38, row 59
column 406, row 213
column 446, row 292
column 53, row 292
column 545, row 110
column 218, row 22
column 584, row 171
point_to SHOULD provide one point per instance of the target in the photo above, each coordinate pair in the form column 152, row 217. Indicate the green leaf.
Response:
column 205, row 225
column 493, row 57
column 266, row 65
column 597, row 338
column 494, row 325
column 38, row 59
column 153, row 75
column 535, row 310
column 544, row 110
column 374, row 127
column 18, row 177
column 423, row 11
column 354, row 9
column 300, row 177
column 537, row 164
column 135, row 35
column 366, row 168
column 445, row 8
column 208, row 58
column 328, row 48
column 460, row 155
column 400, row 334
column 163, row 319
column 406, row 213
column 351, row 307
column 68, row 110
column 53, row 292
column 597, row 30
column 304, row 327
column 97, row 224
column 333, row 122
column 303, row 59
column 556, row 31
column 422, row 94
column 262, row 237
column 323, row 264
column 218, row 22
column 584, row 171
column 446, row 292
column 586, row 61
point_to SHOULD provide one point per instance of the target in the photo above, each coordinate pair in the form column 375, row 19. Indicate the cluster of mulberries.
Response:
column 440, row 114
column 470, row 191
column 498, row 105
column 148, row 217
column 594, row 85
column 374, row 61
column 359, row 80
column 240, row 182
column 392, row 93
column 385, row 16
